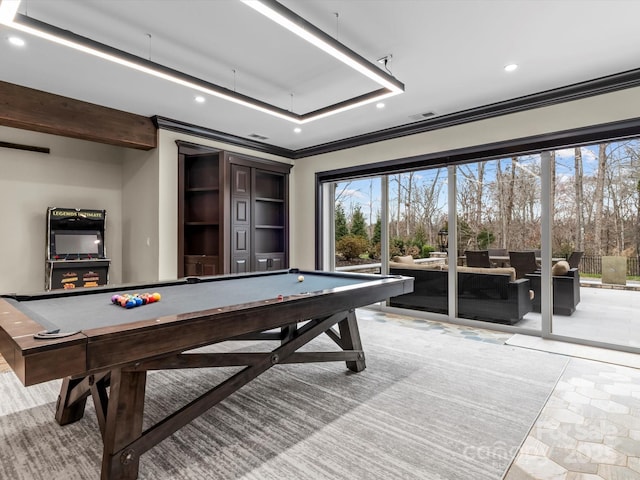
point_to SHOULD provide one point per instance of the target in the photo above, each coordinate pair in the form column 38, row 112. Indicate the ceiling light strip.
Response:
column 69, row 39
column 284, row 17
column 8, row 10
column 350, row 104
column 309, row 32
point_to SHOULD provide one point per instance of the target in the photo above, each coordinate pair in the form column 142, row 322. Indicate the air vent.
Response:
column 421, row 116
column 258, row 137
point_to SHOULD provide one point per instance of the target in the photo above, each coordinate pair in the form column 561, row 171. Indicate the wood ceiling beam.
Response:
column 29, row 109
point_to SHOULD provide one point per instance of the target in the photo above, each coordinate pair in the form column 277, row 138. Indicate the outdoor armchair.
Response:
column 523, row 262
column 478, row 258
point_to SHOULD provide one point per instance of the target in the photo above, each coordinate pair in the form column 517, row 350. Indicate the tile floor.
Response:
column 589, row 428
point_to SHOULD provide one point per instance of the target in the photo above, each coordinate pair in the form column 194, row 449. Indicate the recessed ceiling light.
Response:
column 511, row 67
column 199, row 99
column 17, row 41
column 379, row 105
column 297, row 129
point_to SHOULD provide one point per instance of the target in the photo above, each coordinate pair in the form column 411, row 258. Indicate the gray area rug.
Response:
column 428, row 406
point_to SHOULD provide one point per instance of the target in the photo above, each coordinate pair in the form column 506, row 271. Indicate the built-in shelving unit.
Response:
column 200, row 207
column 270, row 225
column 233, row 212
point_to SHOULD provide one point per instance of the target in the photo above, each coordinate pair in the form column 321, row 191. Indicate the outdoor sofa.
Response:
column 489, row 294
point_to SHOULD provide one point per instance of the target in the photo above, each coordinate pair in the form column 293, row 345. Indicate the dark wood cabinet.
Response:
column 259, row 219
column 232, row 213
column 200, row 212
column 270, row 220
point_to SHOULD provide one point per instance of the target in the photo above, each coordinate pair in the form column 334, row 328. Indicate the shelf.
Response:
column 205, row 242
column 268, row 199
column 202, row 206
column 269, row 213
column 201, row 172
column 269, row 185
column 201, row 224
column 269, row 240
column 271, row 227
column 202, row 189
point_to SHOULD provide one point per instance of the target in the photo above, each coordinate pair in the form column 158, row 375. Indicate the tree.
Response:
column 377, row 232
column 599, row 198
column 419, row 237
column 359, row 224
column 579, row 189
column 341, row 228
column 485, row 238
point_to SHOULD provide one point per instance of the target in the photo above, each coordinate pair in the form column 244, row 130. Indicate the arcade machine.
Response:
column 75, row 248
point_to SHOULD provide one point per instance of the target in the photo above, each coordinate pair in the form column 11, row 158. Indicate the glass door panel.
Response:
column 596, row 228
column 498, row 249
column 418, row 237
column 357, row 225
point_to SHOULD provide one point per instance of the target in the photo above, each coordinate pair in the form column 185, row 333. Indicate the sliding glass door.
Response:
column 357, row 221
column 560, row 231
column 418, row 237
column 596, row 225
column 499, row 242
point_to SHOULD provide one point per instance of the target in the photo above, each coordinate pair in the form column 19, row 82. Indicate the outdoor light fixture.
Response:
column 443, row 239
column 10, row 17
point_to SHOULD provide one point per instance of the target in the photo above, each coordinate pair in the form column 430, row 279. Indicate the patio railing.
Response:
column 592, row 264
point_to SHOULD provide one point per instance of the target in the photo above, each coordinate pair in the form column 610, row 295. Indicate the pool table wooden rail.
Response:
column 94, row 350
column 36, row 361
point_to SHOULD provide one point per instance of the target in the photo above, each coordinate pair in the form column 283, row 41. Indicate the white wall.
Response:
column 580, row 113
column 76, row 174
column 140, row 243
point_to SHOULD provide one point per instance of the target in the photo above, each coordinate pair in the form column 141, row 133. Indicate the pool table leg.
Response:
column 123, row 425
column 350, row 336
column 68, row 411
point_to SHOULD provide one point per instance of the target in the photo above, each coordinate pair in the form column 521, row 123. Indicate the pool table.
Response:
column 102, row 350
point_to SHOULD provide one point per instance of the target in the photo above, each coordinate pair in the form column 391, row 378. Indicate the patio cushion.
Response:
column 560, row 268
column 403, row 259
column 491, row 271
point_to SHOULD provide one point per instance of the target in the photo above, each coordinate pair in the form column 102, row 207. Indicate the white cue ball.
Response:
column 301, row 278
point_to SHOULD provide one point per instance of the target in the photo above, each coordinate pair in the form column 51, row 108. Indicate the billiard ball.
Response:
column 301, row 278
